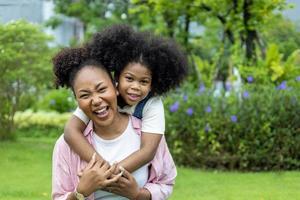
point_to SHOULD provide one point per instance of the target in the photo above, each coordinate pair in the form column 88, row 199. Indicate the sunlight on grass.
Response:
column 26, row 175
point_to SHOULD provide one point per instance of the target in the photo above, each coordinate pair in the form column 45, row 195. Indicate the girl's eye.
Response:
column 129, row 78
column 144, row 82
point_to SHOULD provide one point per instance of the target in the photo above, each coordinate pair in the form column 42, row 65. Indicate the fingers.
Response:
column 113, row 180
column 105, row 166
column 126, row 174
column 110, row 171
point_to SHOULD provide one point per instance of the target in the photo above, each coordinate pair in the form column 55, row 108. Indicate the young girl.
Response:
column 144, row 67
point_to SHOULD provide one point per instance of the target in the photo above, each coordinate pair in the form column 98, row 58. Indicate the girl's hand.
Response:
column 125, row 186
column 95, row 176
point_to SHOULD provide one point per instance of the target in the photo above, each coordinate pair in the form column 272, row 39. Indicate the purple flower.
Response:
column 208, row 109
column 185, row 98
column 201, row 88
column 189, row 111
column 246, row 94
column 228, row 86
column 174, row 107
column 52, row 102
column 250, row 79
column 233, row 118
column 298, row 78
column 282, row 86
column 207, row 128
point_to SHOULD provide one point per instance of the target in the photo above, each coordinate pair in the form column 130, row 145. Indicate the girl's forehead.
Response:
column 137, row 68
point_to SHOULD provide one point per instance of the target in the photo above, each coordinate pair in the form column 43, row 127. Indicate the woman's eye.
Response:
column 102, row 89
column 83, row 96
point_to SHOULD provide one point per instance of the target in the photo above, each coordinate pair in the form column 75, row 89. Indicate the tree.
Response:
column 93, row 14
column 25, row 68
column 240, row 24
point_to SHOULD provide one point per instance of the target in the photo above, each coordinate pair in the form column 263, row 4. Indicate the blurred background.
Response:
column 238, row 112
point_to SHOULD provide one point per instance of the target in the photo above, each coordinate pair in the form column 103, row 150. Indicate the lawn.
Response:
column 26, row 175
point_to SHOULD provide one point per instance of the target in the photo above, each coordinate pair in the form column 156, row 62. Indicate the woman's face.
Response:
column 134, row 83
column 96, row 95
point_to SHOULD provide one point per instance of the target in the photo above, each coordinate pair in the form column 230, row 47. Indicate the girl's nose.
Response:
column 135, row 85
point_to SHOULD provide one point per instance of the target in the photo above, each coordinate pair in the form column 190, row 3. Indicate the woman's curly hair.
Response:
column 68, row 62
column 119, row 45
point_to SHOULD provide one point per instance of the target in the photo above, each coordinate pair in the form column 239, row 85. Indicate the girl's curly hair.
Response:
column 119, row 45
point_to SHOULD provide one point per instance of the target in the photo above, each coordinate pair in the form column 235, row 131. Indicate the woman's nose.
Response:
column 96, row 100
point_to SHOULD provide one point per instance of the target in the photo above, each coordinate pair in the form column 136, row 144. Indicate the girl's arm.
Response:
column 153, row 127
column 149, row 144
column 73, row 135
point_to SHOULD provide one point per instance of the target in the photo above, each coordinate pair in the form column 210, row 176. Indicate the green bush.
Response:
column 256, row 129
column 57, row 100
column 41, row 123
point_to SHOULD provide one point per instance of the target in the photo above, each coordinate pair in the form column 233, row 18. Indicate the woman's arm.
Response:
column 73, row 135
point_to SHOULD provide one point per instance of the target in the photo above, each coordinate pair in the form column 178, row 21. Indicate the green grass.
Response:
column 26, row 169
column 213, row 185
column 26, row 175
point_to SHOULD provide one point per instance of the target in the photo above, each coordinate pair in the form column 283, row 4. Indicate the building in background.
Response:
column 39, row 11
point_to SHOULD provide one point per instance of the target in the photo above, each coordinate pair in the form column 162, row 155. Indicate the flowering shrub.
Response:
column 257, row 128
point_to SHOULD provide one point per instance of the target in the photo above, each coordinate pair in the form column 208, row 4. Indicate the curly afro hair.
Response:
column 119, row 45
column 68, row 62
column 167, row 63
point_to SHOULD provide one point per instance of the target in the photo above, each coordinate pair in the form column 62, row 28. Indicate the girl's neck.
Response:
column 115, row 129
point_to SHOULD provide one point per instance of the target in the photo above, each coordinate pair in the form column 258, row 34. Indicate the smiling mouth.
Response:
column 101, row 113
column 133, row 97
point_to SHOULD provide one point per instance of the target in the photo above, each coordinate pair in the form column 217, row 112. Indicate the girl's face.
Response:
column 96, row 95
column 134, row 83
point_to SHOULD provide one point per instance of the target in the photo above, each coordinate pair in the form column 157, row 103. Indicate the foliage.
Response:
column 273, row 69
column 93, row 14
column 256, row 129
column 25, row 68
column 43, row 119
column 40, row 123
column 282, row 32
column 61, row 100
column 211, row 30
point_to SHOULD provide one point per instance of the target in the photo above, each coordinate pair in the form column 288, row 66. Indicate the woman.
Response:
column 113, row 134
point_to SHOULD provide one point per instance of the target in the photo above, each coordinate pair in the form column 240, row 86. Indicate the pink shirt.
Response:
column 66, row 165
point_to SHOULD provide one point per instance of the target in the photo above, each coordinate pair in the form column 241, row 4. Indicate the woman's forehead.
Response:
column 89, row 75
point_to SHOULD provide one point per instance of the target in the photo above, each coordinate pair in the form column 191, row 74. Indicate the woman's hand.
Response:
column 96, row 176
column 125, row 186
